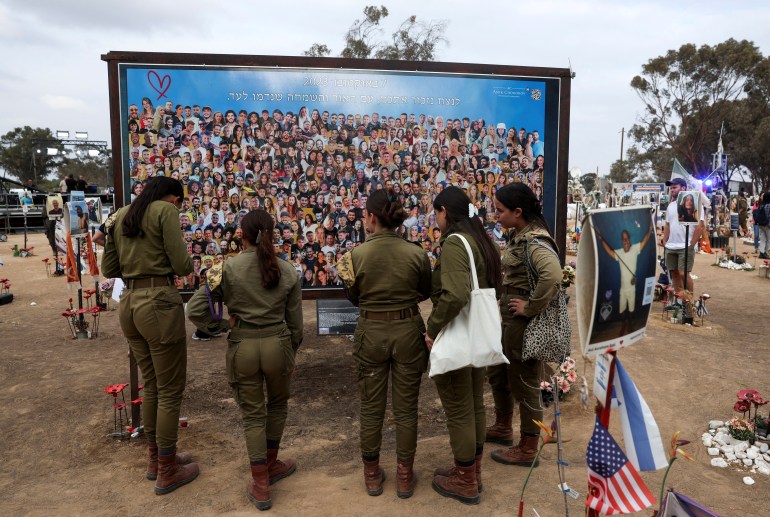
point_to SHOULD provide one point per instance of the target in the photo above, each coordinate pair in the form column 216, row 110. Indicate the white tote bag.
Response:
column 474, row 336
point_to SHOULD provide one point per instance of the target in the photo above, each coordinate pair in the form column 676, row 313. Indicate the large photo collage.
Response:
column 313, row 169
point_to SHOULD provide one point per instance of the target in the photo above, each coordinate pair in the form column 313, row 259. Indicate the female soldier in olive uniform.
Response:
column 518, row 209
column 264, row 301
column 461, row 391
column 145, row 248
column 386, row 277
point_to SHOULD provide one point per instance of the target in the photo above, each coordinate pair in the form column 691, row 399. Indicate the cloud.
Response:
column 63, row 102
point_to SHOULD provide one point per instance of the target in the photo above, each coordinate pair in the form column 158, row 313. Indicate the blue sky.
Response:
column 53, row 76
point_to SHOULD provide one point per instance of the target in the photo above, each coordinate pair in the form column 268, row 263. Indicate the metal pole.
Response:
column 622, row 135
column 686, row 318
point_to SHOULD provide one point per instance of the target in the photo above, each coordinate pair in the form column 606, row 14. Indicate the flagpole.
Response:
column 603, row 413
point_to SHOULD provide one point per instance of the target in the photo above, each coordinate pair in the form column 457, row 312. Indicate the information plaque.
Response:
column 336, row 317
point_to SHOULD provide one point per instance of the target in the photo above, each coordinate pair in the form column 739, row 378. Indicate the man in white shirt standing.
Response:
column 674, row 239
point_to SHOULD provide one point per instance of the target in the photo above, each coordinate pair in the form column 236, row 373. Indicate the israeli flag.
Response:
column 641, row 435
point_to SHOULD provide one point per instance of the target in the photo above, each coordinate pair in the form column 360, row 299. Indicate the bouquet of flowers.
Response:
column 740, row 428
column 568, row 276
column 562, row 380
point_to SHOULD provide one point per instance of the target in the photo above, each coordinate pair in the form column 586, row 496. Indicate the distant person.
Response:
column 743, row 213
column 764, row 229
column 71, row 183
column 81, row 184
column 674, row 240
column 63, row 185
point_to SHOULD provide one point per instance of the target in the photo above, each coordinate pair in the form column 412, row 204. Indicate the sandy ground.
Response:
column 57, row 458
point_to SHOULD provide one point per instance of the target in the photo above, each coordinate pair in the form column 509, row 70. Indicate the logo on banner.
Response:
column 606, row 308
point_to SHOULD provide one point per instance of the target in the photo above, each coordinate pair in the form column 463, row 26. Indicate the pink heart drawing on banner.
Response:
column 162, row 84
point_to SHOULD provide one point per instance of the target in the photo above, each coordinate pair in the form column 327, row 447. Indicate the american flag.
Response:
column 615, row 484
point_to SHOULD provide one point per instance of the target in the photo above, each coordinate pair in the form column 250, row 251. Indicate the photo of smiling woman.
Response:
column 688, row 208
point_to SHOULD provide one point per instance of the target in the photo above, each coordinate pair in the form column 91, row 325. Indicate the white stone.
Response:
column 748, row 462
column 715, row 423
column 729, row 456
column 741, row 455
column 763, row 448
column 712, row 432
column 708, row 442
column 747, row 480
column 713, row 451
column 763, row 469
column 766, row 456
column 741, row 446
column 727, row 448
column 754, row 448
column 752, row 454
column 718, row 462
column 723, row 430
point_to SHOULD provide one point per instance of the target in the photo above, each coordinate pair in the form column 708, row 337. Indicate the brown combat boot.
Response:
column 182, row 458
column 449, row 471
column 279, row 469
column 171, row 475
column 461, row 485
column 522, row 454
column 259, row 487
column 501, row 431
column 405, row 480
column 374, row 477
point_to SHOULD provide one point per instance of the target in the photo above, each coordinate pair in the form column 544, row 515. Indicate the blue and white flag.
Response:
column 641, row 435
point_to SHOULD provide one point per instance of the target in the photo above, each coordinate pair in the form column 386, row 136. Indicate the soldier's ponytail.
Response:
column 257, row 227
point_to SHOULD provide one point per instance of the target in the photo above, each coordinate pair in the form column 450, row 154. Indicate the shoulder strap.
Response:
column 474, row 277
column 531, row 272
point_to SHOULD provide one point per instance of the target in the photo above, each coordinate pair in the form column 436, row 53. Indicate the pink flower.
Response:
column 565, row 367
column 572, row 376
column 565, row 386
column 558, row 379
column 546, row 386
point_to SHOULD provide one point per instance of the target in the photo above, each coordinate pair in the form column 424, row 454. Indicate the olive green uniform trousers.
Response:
column 152, row 320
column 394, row 349
column 462, row 397
column 259, row 367
column 518, row 382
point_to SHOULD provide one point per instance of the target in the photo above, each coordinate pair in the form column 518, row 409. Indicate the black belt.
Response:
column 515, row 290
column 391, row 315
column 240, row 324
column 150, row 281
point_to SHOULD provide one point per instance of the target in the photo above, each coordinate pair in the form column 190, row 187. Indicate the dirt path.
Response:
column 58, row 460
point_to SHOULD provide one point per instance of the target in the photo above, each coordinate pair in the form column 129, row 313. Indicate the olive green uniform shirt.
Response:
column 545, row 263
column 452, row 281
column 161, row 252
column 390, row 273
column 242, row 292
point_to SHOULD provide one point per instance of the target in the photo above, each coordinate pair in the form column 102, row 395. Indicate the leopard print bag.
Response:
column 547, row 336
